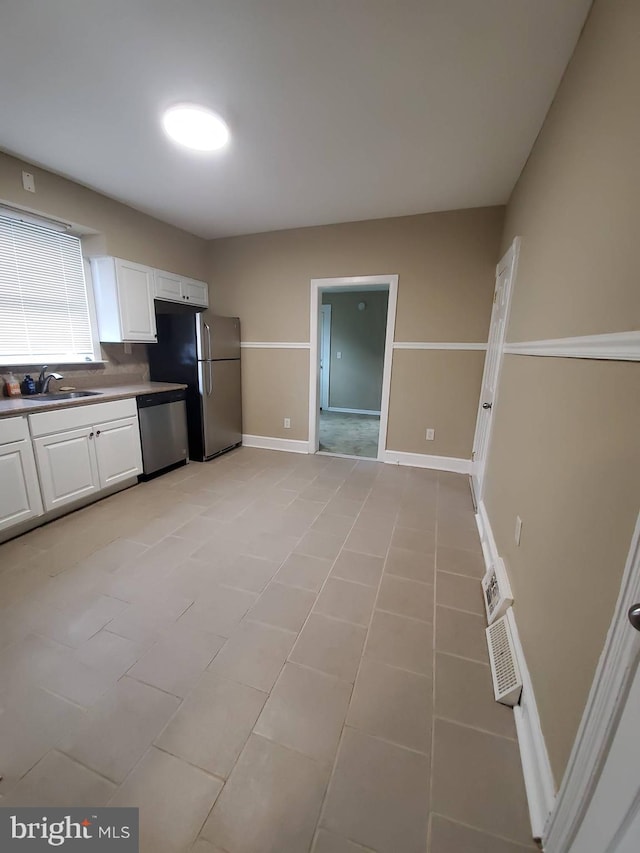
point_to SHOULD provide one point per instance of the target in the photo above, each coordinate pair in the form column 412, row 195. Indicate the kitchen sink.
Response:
column 60, row 395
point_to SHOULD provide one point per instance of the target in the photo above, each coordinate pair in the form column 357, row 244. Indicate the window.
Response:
column 44, row 310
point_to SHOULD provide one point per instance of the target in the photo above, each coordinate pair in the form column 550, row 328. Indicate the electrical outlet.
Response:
column 287, row 423
column 518, row 532
column 430, row 434
column 28, row 182
column 338, row 355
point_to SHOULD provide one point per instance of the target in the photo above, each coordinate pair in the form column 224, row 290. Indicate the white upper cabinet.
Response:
column 197, row 292
column 124, row 294
column 170, row 287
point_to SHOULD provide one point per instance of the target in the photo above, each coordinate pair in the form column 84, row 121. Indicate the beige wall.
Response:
column 566, row 459
column 446, row 267
column 120, row 231
column 436, row 389
column 355, row 379
column 576, row 204
column 267, row 400
column 565, row 454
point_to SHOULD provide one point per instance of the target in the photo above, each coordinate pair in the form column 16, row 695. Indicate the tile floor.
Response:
column 267, row 652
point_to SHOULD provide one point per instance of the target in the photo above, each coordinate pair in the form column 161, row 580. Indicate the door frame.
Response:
column 326, row 349
column 364, row 281
column 604, row 707
column 478, row 468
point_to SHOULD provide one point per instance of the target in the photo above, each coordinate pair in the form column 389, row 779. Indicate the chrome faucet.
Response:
column 44, row 379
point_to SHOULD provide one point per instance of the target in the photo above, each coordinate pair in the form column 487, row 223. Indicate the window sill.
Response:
column 33, row 365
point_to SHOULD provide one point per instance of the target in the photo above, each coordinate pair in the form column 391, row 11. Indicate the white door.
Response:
column 505, row 273
column 67, row 466
column 612, row 822
column 135, row 295
column 117, row 447
column 20, row 492
column 325, row 355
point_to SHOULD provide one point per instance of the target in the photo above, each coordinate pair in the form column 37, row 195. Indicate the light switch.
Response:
column 518, row 531
column 338, row 355
column 28, row 182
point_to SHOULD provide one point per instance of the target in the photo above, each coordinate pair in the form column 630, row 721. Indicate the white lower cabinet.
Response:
column 19, row 488
column 67, row 465
column 85, row 450
column 117, row 446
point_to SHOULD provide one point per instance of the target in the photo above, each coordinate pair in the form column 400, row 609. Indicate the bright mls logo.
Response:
column 34, row 829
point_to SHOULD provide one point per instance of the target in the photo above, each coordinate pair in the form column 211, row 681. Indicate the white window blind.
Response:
column 44, row 313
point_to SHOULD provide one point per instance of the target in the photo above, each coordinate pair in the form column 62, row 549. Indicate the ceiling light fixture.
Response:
column 195, row 127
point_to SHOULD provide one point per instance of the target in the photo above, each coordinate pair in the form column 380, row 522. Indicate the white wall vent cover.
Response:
column 496, row 591
column 505, row 672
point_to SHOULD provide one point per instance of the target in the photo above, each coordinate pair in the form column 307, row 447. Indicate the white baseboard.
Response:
column 423, row 460
column 391, row 457
column 267, row 442
column 536, row 768
column 489, row 547
column 352, row 411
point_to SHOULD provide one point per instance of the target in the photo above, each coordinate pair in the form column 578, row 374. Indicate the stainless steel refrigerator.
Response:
column 203, row 352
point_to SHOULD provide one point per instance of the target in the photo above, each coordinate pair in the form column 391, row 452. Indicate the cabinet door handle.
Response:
column 98, row 433
column 90, row 435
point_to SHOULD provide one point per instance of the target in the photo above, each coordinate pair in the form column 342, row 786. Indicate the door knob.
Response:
column 487, row 405
column 634, row 616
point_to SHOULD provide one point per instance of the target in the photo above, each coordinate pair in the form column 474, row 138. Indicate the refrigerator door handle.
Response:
column 208, row 328
column 210, row 379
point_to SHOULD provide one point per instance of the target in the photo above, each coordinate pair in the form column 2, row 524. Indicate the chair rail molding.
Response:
column 616, row 346
column 275, row 345
column 464, row 345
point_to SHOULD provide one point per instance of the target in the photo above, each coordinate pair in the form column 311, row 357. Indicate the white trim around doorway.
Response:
column 377, row 282
column 325, row 355
column 601, row 714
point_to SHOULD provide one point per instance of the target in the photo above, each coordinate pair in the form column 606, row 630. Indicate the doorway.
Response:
column 352, row 327
column 325, row 355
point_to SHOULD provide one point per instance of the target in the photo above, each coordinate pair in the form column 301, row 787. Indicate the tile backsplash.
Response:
column 118, row 368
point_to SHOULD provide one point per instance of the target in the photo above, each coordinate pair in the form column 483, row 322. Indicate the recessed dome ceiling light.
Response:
column 195, row 127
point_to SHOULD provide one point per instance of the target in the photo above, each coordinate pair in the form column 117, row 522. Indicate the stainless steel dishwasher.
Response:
column 163, row 431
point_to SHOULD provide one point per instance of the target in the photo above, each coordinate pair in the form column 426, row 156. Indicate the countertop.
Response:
column 13, row 406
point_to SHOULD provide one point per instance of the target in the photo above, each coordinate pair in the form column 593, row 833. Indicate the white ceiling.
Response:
column 339, row 109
